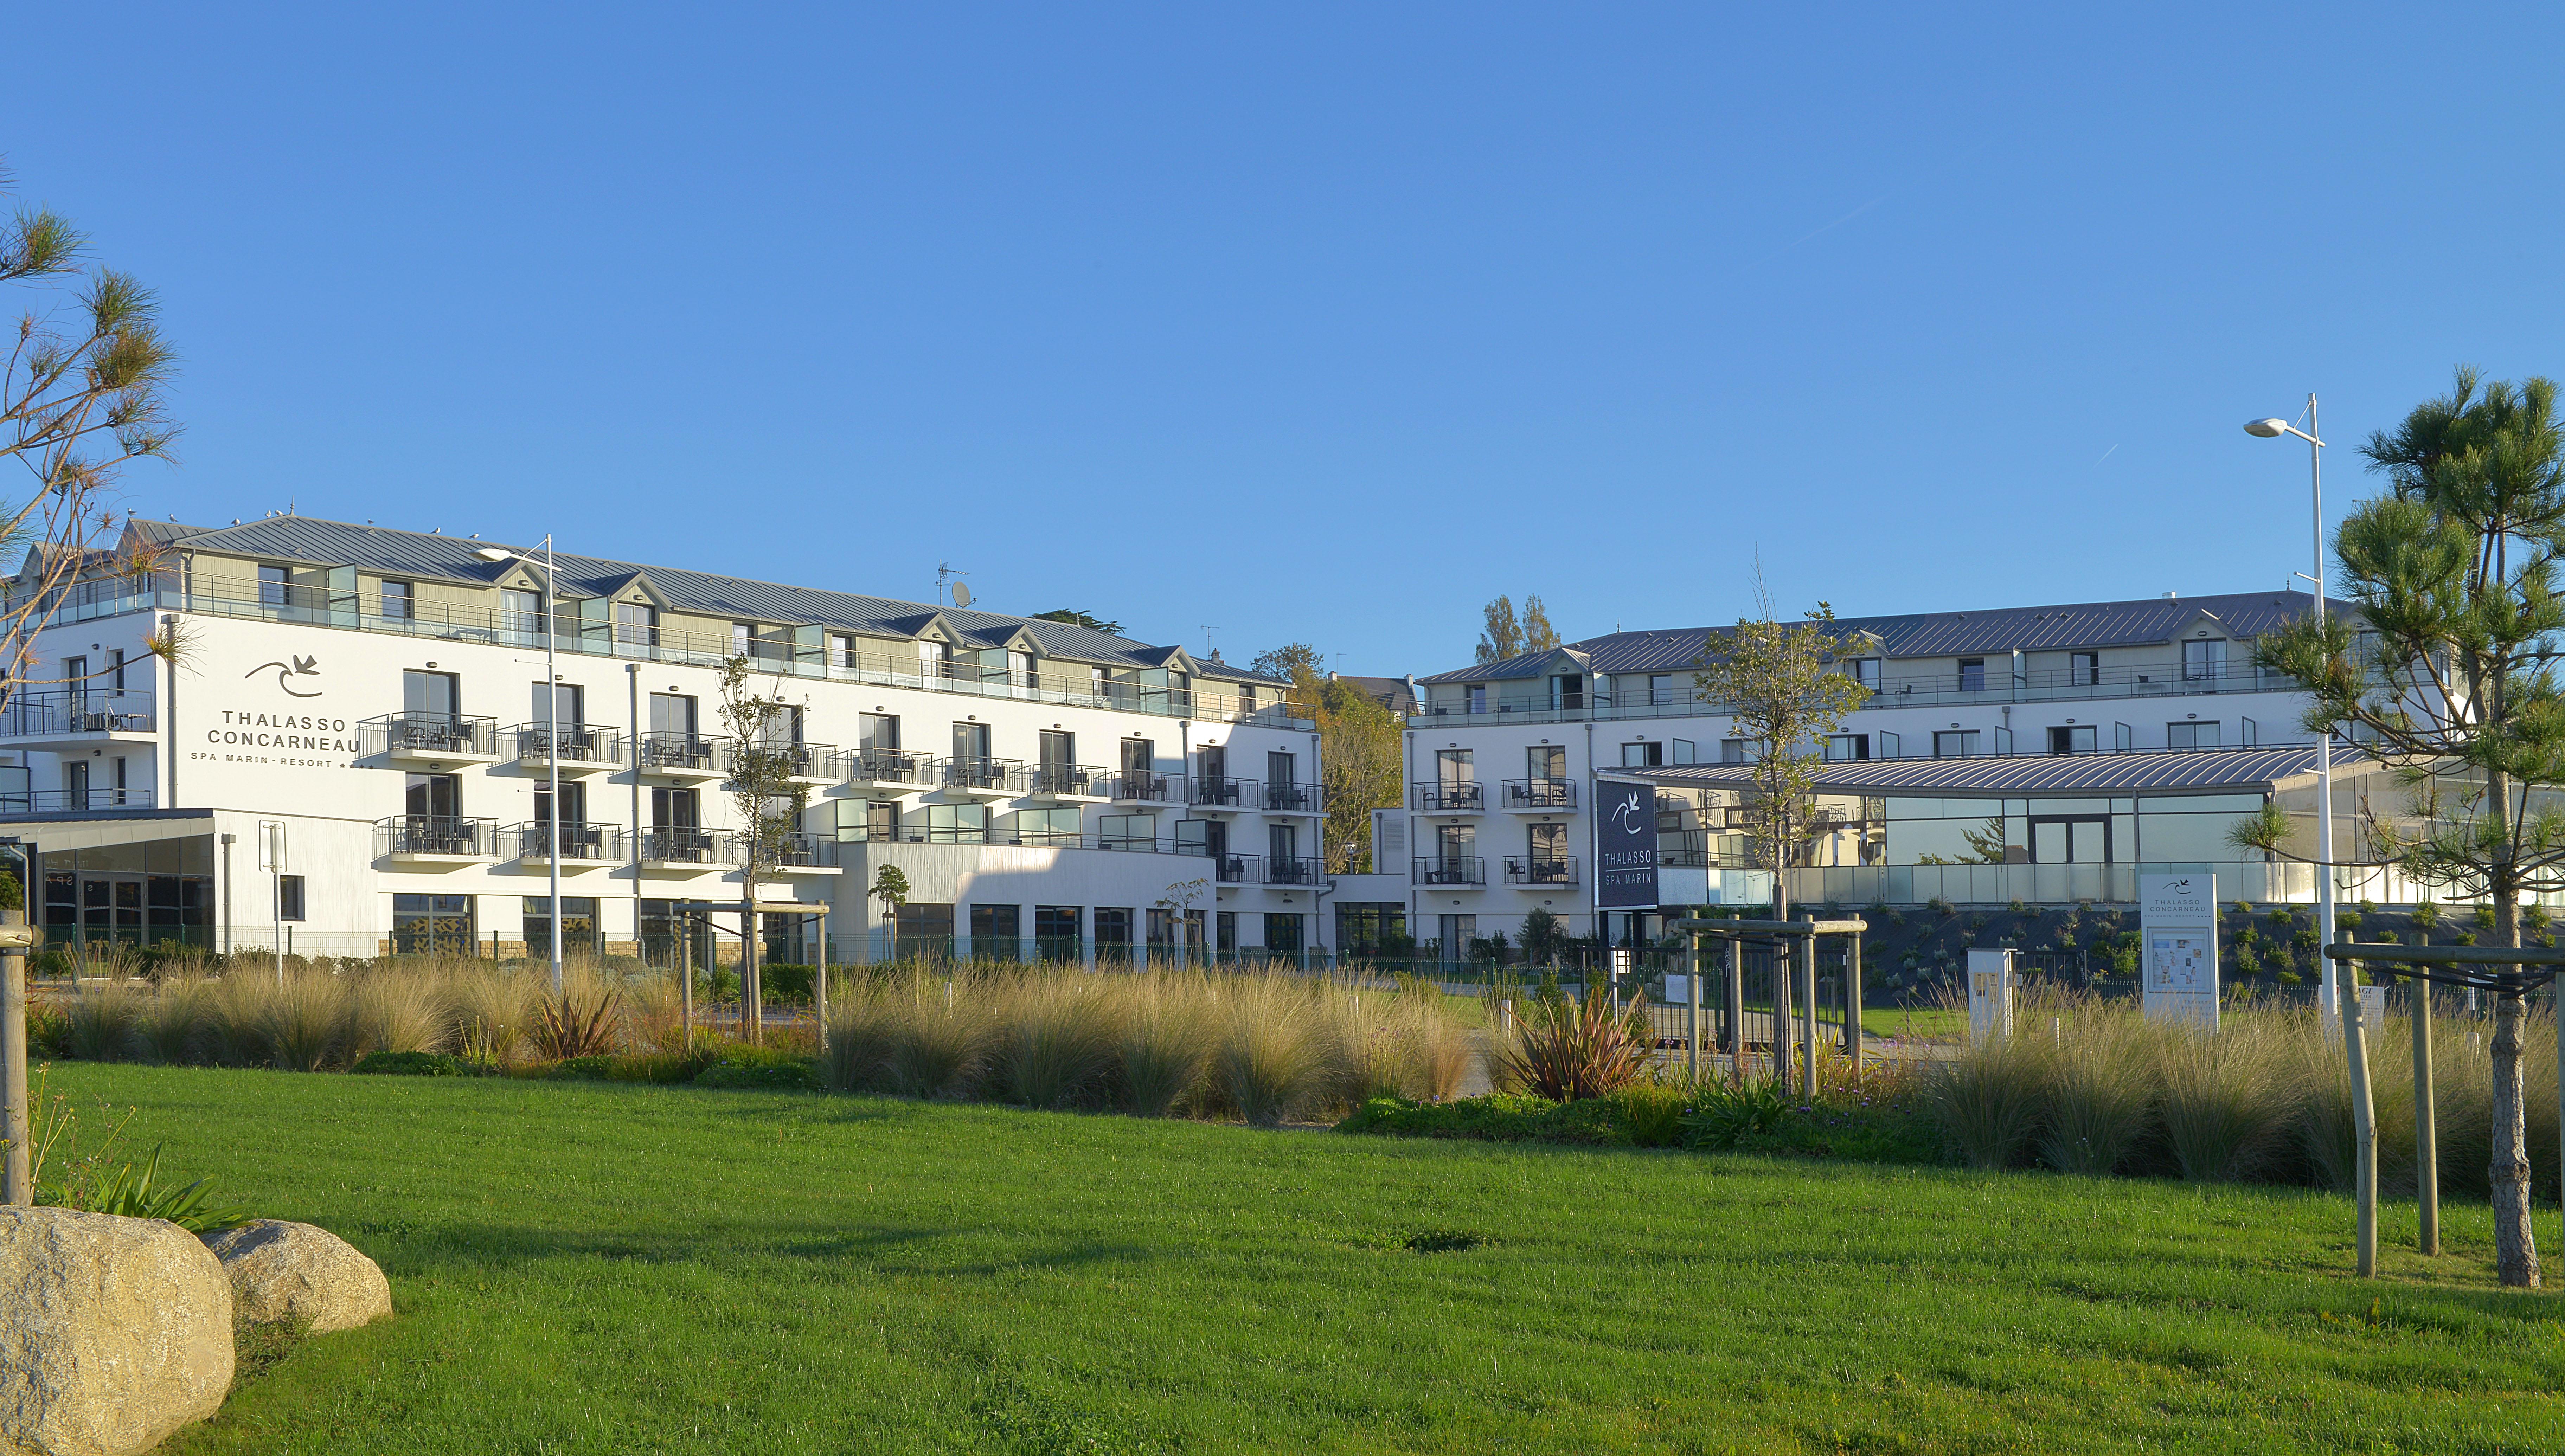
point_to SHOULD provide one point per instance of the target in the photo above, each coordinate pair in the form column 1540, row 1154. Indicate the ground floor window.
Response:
column 992, row 931
column 582, row 932
column 924, row 929
column 151, row 892
column 289, row 896
column 659, row 929
column 1282, row 932
column 425, row 924
column 1056, row 932
column 1369, row 927
column 1226, row 927
column 1112, row 933
column 1458, row 932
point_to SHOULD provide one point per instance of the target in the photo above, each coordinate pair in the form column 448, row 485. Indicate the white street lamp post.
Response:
column 2272, row 430
column 552, row 744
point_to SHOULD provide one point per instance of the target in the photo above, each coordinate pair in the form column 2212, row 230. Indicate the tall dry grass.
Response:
column 2094, row 1087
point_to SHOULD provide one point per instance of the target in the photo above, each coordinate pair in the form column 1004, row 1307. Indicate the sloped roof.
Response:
column 430, row 555
column 2187, row 770
column 1944, row 634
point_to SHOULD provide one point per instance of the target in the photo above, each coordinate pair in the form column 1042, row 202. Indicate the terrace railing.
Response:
column 1540, row 794
column 1451, row 870
column 1294, row 798
column 428, row 734
column 689, row 753
column 1449, row 798
column 1541, row 868
column 580, row 840
column 430, row 834
column 38, row 713
column 1219, row 791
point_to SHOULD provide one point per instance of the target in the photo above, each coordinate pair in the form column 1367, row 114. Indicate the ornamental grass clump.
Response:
column 103, row 1017
column 494, row 1008
column 1278, row 1056
column 171, row 1029
column 1162, row 1043
column 1054, row 1040
column 397, row 1010
column 1987, row 1099
column 938, row 1034
column 297, row 1026
column 584, row 1019
column 2226, row 1098
column 2099, row 1092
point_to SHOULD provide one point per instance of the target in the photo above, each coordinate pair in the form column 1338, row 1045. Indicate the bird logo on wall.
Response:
column 287, row 670
column 1625, row 814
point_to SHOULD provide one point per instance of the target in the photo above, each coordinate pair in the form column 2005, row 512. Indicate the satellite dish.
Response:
column 961, row 595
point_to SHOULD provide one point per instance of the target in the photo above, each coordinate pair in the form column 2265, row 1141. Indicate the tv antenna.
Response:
column 959, row 594
column 1207, row 630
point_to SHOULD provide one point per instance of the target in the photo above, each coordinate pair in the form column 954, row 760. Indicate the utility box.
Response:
column 1990, row 986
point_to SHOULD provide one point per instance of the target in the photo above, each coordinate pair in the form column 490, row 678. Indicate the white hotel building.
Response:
column 1045, row 789
column 2039, row 754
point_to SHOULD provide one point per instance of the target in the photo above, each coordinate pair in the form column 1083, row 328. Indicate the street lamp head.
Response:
column 502, row 553
column 2266, row 429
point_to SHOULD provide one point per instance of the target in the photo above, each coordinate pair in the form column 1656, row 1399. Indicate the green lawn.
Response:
column 606, row 1268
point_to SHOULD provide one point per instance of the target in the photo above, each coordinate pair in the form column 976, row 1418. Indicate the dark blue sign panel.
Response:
column 1625, row 846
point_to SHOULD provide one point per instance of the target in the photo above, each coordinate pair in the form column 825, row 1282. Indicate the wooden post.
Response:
column 1785, row 968
column 1852, row 1003
column 17, row 1186
column 2427, row 1138
column 1735, row 1010
column 820, row 984
column 1691, row 1014
column 686, row 974
column 1808, row 1017
column 2354, row 1039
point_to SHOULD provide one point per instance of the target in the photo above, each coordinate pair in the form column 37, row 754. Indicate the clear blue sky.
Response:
column 1315, row 323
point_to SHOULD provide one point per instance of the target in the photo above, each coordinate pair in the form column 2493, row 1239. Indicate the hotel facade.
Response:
column 1044, row 788
column 2044, row 754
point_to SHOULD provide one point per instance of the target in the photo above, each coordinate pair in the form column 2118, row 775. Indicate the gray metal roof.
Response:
column 2147, row 622
column 427, row 555
column 2197, row 770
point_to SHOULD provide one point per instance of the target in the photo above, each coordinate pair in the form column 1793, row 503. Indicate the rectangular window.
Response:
column 971, row 743
column 289, row 896
column 878, row 731
column 1112, row 933
column 521, row 615
column 1454, row 767
column 924, row 929
column 432, row 924
column 1057, row 751
column 957, row 823
column 1225, row 927
column 1865, row 671
column 430, row 696
column 433, row 795
column 1972, row 675
column 992, row 930
column 1546, row 761
column 2084, row 668
column 673, row 713
column 1139, row 756
column 882, row 820
column 1735, row 751
column 2191, row 736
column 573, row 804
column 932, row 661
column 271, row 588
column 566, row 706
column 841, row 652
column 742, row 638
column 1643, row 755
column 1060, row 826
column 1955, row 745
column 1128, row 831
column 2204, row 661
column 1661, row 689
column 1845, row 748
column 636, row 624
column 2072, row 739
column 1567, row 691
column 1055, row 932
column 675, row 808
column 1474, row 698
column 401, row 600
column 1282, row 933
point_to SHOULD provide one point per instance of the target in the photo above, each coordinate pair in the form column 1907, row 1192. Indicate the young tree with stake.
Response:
column 1779, row 681
column 2451, row 688
column 766, row 757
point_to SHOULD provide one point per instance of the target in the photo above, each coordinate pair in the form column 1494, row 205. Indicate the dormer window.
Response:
column 636, row 624
column 400, row 601
column 842, row 651
column 931, row 660
column 2204, row 660
column 1865, row 671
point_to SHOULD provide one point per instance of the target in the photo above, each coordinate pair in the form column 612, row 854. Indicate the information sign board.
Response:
column 2177, row 926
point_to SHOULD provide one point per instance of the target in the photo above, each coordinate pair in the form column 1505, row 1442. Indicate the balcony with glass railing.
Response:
column 790, row 854
column 71, row 800
column 1531, row 701
column 805, row 652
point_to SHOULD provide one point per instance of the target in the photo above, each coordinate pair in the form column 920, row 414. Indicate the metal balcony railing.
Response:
column 789, row 852
column 816, row 762
column 684, row 752
column 580, row 840
column 1451, row 870
column 430, row 834
column 1541, row 868
column 889, row 765
column 73, row 800
column 584, row 743
column 685, row 845
column 1294, row 798
column 1066, row 780
column 1540, row 794
column 982, row 776
column 1144, row 787
column 428, row 734
column 1238, row 868
column 1294, row 870
column 75, row 710
column 1219, row 791
column 1449, row 798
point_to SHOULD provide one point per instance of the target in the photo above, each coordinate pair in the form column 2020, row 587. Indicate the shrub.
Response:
column 2426, row 913
column 410, row 1064
column 2485, row 916
column 732, row 1071
column 580, row 1021
column 1724, row 1116
column 785, row 983
column 1564, row 1053
column 1649, row 1113
column 1939, row 906
column 1502, row 1117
